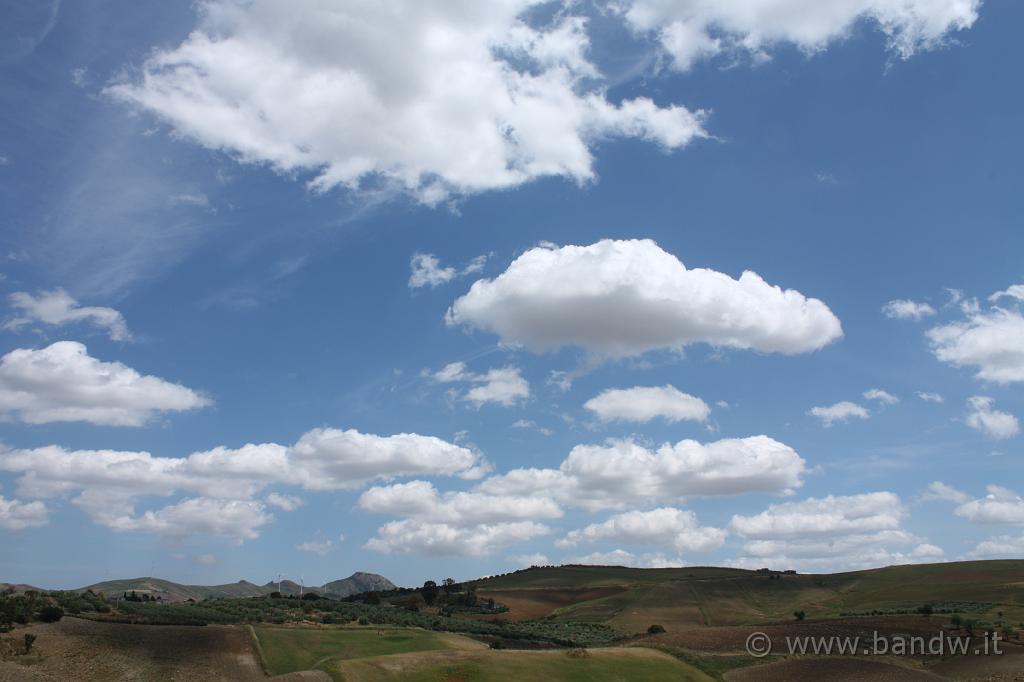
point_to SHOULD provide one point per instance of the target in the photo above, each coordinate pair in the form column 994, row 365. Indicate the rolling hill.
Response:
column 176, row 592
column 630, row 599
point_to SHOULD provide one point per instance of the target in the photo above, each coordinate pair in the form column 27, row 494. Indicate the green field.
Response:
column 291, row 649
column 596, row 665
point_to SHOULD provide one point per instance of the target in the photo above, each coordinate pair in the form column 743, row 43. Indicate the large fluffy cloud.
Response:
column 831, row 532
column 1001, row 505
column 455, row 523
column 238, row 519
column 826, row 516
column 413, row 536
column 474, row 98
column 331, row 459
column 690, row 30
column 666, row 527
column 622, row 298
column 421, row 500
column 644, row 403
column 623, row 472
column 62, row 382
column 57, row 307
column 990, row 340
column 108, row 484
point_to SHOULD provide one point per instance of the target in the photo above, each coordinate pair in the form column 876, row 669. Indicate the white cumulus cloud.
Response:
column 17, row 515
column 108, row 484
column 1001, row 505
column 502, row 385
column 621, row 557
column 881, row 396
column 666, row 527
column 691, row 30
column 622, row 472
column 831, row 532
column 840, row 412
column 426, row 270
column 937, row 490
column 238, row 519
column 993, row 423
column 414, row 536
column 62, row 382
column 991, row 341
column 902, row 309
column 57, row 307
column 475, row 98
column 465, row 523
column 644, row 403
column 622, row 298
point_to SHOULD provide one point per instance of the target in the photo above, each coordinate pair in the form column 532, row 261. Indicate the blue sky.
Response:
column 229, row 201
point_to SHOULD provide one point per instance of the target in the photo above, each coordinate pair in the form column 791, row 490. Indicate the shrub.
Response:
column 30, row 639
column 799, row 615
column 51, row 614
column 655, row 629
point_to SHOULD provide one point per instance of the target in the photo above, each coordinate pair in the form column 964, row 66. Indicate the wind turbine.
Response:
column 302, row 585
column 278, row 582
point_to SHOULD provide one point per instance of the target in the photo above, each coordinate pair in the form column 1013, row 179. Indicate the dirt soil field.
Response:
column 838, row 669
column 732, row 638
column 84, row 650
column 526, row 604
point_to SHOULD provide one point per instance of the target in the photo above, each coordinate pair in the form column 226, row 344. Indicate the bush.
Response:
column 799, row 615
column 655, row 629
column 51, row 614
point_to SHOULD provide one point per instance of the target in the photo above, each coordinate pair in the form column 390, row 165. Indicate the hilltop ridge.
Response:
column 174, row 592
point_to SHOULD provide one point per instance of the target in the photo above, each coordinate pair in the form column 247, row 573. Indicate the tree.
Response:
column 449, row 583
column 30, row 639
column 655, row 629
column 926, row 610
column 956, row 621
column 429, row 592
column 799, row 615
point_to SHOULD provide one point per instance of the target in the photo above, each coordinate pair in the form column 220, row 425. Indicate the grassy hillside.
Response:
column 632, row 599
column 595, row 665
column 292, row 649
